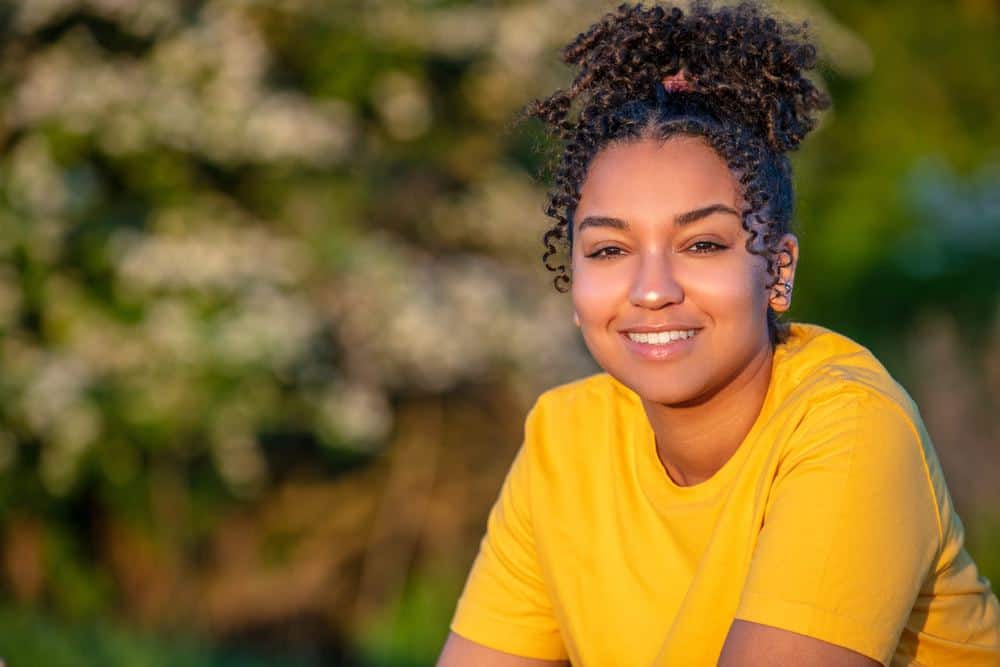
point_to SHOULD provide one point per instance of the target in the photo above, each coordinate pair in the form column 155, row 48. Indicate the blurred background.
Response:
column 272, row 309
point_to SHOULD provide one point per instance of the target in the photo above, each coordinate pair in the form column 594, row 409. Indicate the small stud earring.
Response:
column 785, row 290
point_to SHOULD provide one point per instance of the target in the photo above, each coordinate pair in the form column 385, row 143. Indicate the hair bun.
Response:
column 750, row 67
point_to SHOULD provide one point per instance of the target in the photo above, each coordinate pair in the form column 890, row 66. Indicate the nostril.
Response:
column 653, row 298
column 655, row 285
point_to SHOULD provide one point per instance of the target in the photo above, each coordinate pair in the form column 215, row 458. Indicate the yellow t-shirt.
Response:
column 831, row 520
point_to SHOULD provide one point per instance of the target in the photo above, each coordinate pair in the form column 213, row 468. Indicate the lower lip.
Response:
column 660, row 351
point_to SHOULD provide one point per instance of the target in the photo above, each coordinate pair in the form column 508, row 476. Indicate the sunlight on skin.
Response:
column 755, row 645
column 461, row 652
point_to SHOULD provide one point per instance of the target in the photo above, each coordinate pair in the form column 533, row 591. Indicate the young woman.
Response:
column 733, row 490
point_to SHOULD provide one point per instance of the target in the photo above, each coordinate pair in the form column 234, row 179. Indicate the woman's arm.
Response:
column 461, row 652
column 755, row 645
column 849, row 537
column 505, row 603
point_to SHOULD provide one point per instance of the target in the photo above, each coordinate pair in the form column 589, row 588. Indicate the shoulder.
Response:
column 856, row 416
column 844, row 402
column 583, row 415
column 854, row 422
column 584, row 403
column 822, row 369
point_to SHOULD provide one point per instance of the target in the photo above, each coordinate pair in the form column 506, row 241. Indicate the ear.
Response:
column 780, row 298
column 576, row 318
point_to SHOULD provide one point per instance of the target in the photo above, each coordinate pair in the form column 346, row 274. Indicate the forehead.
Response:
column 651, row 179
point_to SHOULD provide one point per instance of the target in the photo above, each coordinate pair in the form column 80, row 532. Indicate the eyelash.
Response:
column 714, row 247
column 599, row 253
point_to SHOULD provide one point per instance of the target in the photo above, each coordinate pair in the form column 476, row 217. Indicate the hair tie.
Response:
column 677, row 82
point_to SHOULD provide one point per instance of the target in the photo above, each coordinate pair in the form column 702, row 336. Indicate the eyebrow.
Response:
column 699, row 213
column 680, row 219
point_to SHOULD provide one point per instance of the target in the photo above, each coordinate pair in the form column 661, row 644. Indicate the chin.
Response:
column 663, row 388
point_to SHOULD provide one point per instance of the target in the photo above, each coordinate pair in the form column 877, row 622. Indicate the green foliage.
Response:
column 411, row 632
column 30, row 639
column 984, row 546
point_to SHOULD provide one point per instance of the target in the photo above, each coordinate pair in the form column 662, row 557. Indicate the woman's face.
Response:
column 659, row 253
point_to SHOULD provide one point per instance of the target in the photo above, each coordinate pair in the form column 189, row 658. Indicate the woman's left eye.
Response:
column 705, row 247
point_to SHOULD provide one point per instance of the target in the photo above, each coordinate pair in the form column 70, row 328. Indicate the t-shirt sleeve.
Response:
column 505, row 604
column 850, row 531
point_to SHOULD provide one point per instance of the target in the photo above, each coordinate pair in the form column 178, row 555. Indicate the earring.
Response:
column 785, row 290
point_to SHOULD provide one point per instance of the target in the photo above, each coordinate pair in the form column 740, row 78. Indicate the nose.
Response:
column 655, row 285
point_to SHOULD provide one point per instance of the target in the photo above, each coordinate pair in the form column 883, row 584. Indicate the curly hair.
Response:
column 747, row 96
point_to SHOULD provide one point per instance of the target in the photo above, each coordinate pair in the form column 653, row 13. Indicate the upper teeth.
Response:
column 660, row 337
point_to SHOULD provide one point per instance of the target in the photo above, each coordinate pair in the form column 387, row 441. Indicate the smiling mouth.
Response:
column 661, row 337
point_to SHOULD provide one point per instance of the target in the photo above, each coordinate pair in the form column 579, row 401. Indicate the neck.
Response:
column 694, row 440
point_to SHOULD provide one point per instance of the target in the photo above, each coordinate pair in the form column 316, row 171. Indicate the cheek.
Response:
column 597, row 292
column 734, row 286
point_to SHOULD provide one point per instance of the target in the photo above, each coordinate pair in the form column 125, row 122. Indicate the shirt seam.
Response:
column 841, row 509
column 810, row 605
column 460, row 627
column 926, row 470
column 854, row 620
column 864, row 393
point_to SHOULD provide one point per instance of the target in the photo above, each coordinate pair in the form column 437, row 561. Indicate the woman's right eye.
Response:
column 606, row 253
